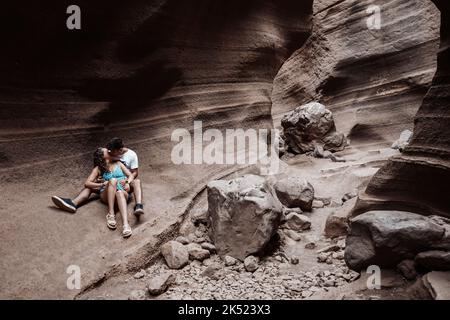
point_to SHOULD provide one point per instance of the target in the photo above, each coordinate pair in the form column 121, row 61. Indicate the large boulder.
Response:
column 435, row 260
column 437, row 283
column 175, row 254
column 243, row 215
column 295, row 192
column 385, row 238
column 309, row 126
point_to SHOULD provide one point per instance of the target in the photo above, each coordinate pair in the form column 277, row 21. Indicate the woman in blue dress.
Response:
column 114, row 188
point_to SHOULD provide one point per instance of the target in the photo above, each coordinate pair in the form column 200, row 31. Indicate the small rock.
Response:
column 200, row 217
column 337, row 223
column 140, row 274
column 307, row 294
column 198, row 233
column 331, row 248
column 310, row 245
column 295, row 260
column 338, row 255
column 403, row 141
column 196, row 252
column 349, row 195
column 137, row 295
column 322, row 257
column 293, row 235
column 317, row 204
column 229, row 261
column 298, row 222
column 191, row 237
column 182, row 240
column 326, row 200
column 329, row 283
column 407, row 269
column 213, row 271
column 160, row 284
column 251, row 263
column 175, row 254
column 199, row 240
column 208, row 246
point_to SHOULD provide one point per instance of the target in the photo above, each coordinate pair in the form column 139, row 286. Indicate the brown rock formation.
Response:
column 138, row 70
column 418, row 180
column 372, row 80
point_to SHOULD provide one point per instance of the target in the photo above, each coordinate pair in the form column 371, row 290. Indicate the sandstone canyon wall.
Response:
column 136, row 69
column 372, row 80
column 418, row 179
column 141, row 69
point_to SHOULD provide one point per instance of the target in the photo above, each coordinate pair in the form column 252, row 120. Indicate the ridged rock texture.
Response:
column 141, row 69
column 136, row 69
column 418, row 180
column 372, row 80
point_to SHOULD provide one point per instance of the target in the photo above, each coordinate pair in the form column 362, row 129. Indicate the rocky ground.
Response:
column 295, row 234
column 302, row 264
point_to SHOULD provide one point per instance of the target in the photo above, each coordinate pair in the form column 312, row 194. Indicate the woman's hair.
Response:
column 99, row 160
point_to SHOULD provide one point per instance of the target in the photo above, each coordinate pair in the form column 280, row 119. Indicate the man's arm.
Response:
column 135, row 172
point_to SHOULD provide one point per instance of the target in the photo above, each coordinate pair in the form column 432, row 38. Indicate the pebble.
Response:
column 138, row 295
column 141, row 274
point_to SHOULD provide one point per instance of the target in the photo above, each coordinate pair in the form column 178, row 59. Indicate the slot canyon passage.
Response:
column 143, row 69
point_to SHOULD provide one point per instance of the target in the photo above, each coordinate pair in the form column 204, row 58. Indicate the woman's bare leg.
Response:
column 122, row 204
column 111, row 194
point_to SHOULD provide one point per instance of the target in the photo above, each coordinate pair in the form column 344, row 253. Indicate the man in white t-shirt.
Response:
column 115, row 149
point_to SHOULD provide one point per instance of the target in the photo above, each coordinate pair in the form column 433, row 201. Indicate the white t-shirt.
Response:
column 130, row 159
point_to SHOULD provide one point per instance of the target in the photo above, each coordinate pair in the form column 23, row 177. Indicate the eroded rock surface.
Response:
column 372, row 80
column 385, row 238
column 418, row 179
column 175, row 254
column 138, row 70
column 295, row 192
column 243, row 215
column 310, row 126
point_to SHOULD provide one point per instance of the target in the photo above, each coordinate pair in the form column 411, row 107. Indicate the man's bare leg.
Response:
column 137, row 191
column 82, row 197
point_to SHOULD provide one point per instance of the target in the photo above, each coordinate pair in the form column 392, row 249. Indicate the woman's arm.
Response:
column 90, row 181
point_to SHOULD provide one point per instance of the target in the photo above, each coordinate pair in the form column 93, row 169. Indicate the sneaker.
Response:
column 138, row 209
column 64, row 204
column 111, row 221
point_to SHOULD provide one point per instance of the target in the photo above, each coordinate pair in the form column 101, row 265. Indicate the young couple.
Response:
column 114, row 178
